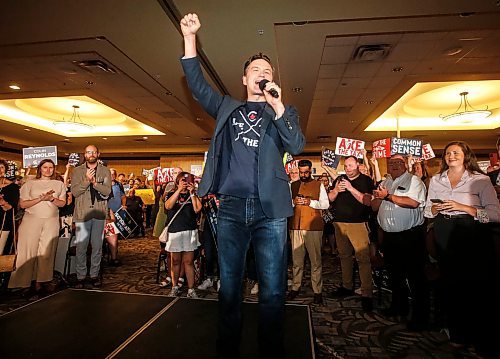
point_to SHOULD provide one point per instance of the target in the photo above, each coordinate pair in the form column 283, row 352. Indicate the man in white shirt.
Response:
column 400, row 202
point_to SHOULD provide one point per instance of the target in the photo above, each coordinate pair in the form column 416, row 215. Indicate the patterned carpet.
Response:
column 342, row 329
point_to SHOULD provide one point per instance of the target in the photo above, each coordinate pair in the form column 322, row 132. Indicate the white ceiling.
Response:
column 311, row 43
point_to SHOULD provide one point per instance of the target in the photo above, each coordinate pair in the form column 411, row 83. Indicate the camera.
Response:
column 188, row 177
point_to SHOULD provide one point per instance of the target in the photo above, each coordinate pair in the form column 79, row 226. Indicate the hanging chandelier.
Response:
column 468, row 115
column 74, row 124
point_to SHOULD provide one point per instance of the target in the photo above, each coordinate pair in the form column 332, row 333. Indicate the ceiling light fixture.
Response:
column 74, row 124
column 468, row 115
column 14, row 87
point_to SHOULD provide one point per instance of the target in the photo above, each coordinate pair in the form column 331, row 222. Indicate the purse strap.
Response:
column 13, row 228
column 178, row 211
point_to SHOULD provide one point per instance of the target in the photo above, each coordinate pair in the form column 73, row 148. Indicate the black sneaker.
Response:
column 341, row 292
column 367, row 304
column 318, row 299
column 96, row 282
column 292, row 294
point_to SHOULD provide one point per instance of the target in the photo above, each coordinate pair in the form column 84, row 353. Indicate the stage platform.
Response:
column 97, row 324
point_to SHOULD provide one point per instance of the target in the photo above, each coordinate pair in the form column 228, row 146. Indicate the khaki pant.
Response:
column 36, row 249
column 303, row 240
column 351, row 236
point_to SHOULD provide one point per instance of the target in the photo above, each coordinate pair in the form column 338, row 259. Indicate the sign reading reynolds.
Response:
column 33, row 155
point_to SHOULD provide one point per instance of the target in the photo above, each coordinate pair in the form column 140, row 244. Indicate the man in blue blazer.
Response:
column 244, row 168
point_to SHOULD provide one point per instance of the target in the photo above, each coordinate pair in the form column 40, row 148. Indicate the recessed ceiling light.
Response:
column 90, row 83
column 397, row 69
column 104, row 138
column 453, row 51
column 260, row 32
column 66, row 139
column 14, row 87
column 188, row 137
column 145, row 137
column 27, row 129
column 369, row 102
column 138, row 109
column 205, row 139
column 168, row 93
column 297, row 89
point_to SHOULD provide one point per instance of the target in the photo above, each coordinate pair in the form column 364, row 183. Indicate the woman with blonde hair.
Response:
column 39, row 229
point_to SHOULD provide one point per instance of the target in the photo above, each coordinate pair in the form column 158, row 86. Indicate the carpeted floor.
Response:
column 342, row 329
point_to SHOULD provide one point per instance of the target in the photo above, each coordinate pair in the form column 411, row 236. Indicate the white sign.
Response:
column 32, row 156
column 349, row 147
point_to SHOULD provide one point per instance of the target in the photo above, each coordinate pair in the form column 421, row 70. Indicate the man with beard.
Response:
column 350, row 204
column 91, row 186
column 309, row 198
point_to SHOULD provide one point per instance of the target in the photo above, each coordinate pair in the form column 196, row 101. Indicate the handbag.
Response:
column 163, row 238
column 8, row 261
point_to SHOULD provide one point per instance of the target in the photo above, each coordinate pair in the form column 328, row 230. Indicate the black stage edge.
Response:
column 95, row 324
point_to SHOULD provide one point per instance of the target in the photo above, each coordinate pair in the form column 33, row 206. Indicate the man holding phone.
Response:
column 400, row 201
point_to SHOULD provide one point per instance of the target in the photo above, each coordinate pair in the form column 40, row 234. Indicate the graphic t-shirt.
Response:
column 239, row 162
column 186, row 219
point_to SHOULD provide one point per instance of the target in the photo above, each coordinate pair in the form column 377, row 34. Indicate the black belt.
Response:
column 455, row 216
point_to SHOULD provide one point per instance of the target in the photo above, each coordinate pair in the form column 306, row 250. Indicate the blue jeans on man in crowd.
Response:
column 241, row 221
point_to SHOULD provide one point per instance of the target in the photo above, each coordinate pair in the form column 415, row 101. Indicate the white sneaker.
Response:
column 174, row 292
column 166, row 282
column 289, row 282
column 192, row 294
column 207, row 283
column 358, row 291
column 180, row 282
column 255, row 289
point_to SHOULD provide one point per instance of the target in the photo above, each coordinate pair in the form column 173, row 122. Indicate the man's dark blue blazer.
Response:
column 276, row 137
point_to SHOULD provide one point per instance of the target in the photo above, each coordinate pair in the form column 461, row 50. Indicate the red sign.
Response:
column 427, row 152
column 164, row 175
column 381, row 148
column 348, row 147
column 290, row 165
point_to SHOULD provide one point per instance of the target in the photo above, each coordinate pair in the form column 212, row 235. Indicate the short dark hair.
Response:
column 305, row 163
column 4, row 163
column 259, row 56
column 355, row 159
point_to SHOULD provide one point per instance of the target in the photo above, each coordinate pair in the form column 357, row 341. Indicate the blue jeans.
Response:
column 241, row 221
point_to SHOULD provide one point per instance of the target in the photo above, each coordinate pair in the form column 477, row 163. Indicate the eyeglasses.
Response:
column 259, row 56
column 91, row 152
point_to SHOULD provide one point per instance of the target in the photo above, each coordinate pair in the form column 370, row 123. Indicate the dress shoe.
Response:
column 367, row 304
column 342, row 292
column 318, row 299
column 292, row 294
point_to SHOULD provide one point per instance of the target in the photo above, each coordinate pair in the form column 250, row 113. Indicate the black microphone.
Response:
column 273, row 92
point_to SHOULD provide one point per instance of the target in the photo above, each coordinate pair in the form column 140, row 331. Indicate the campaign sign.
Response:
column 290, row 165
column 349, row 147
column 11, row 170
column 287, row 158
column 124, row 222
column 147, row 195
column 33, row 155
column 329, row 158
column 406, row 147
column 381, row 148
column 74, row 159
column 427, row 152
column 164, row 175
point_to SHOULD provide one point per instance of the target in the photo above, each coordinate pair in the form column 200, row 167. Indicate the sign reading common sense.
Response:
column 349, row 147
column 33, row 155
column 406, row 146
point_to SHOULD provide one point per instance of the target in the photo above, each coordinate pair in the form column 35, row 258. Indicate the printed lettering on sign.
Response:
column 406, row 147
column 381, row 148
column 349, row 147
column 32, row 156
column 164, row 175
column 427, row 152
column 328, row 156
